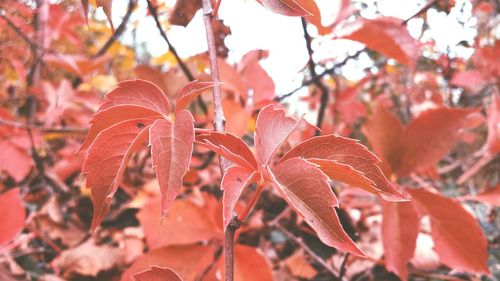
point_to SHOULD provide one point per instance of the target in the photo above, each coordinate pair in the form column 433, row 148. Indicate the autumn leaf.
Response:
column 171, row 149
column 273, row 128
column 293, row 8
column 458, row 249
column 155, row 273
column 191, row 91
column 306, row 189
column 184, row 11
column 400, row 227
column 105, row 164
column 425, row 140
column 189, row 261
column 185, row 223
column 234, row 181
column 12, row 215
column 348, row 152
column 256, row 77
column 106, row 7
column 388, row 36
column 490, row 196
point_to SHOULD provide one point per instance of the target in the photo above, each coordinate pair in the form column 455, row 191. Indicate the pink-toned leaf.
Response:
column 384, row 132
column 349, row 152
column 457, row 236
column 14, row 160
column 306, row 189
column 385, row 35
column 107, row 159
column 234, row 181
column 184, row 11
column 12, row 215
column 189, row 92
column 108, row 117
column 272, row 129
column 189, row 261
column 344, row 173
column 429, row 137
column 493, row 141
column 292, row 8
column 256, row 77
column 471, row 80
column 400, row 226
column 185, row 223
column 230, row 147
column 156, row 273
column 171, row 149
column 140, row 93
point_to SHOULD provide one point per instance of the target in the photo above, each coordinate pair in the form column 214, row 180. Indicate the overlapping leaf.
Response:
column 458, row 238
column 385, row 35
column 400, row 227
column 134, row 112
column 156, row 273
column 293, row 8
column 12, row 215
column 348, row 152
column 421, row 144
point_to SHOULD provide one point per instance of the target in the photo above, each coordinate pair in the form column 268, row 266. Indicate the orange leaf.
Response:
column 189, row 92
column 273, row 128
column 184, row 11
column 400, row 226
column 385, row 35
column 185, row 223
column 234, row 181
column 155, row 273
column 293, row 8
column 349, row 152
column 171, row 149
column 457, row 236
column 188, row 261
column 12, row 215
column 306, row 189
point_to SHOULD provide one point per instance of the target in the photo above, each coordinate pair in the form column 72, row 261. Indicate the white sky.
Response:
column 254, row 27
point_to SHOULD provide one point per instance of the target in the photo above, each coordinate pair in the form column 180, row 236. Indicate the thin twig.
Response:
column 343, row 266
column 219, row 121
column 325, row 72
column 189, row 75
column 118, row 32
column 310, row 252
column 65, row 130
column 421, row 11
column 324, row 90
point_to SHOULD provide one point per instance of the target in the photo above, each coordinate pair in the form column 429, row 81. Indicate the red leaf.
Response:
column 185, row 223
column 384, row 132
column 458, row 239
column 349, row 152
column 230, row 147
column 272, row 129
column 293, row 8
column 171, row 149
column 14, row 160
column 155, row 273
column 306, row 189
column 256, row 77
column 385, row 35
column 188, row 261
column 184, row 11
column 429, row 137
column 400, row 226
column 235, row 179
column 140, row 93
column 12, row 215
column 106, row 118
column 493, row 141
column 189, row 92
column 421, row 144
column 107, row 159
column 344, row 173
